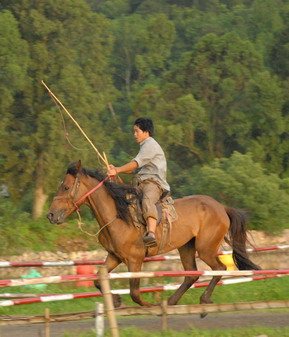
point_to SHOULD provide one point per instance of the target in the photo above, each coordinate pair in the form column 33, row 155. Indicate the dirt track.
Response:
column 212, row 321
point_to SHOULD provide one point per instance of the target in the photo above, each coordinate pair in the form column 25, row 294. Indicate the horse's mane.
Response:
column 119, row 192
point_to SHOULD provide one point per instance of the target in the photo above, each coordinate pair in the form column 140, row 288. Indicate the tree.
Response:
column 69, row 48
column 278, row 55
column 240, row 182
column 262, row 107
column 14, row 58
column 215, row 74
column 142, row 47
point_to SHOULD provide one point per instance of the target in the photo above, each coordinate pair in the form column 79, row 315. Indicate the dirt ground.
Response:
column 212, row 321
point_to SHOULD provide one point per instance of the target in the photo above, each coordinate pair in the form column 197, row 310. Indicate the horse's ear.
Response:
column 78, row 165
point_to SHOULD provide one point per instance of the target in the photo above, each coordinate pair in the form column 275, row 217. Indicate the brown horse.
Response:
column 201, row 226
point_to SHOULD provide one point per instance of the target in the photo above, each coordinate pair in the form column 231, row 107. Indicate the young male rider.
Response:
column 151, row 166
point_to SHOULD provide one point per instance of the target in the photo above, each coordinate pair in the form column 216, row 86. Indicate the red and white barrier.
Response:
column 64, row 297
column 150, row 274
column 50, row 263
column 146, row 274
column 101, row 262
column 47, row 280
column 261, row 249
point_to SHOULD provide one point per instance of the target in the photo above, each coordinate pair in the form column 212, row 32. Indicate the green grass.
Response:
column 263, row 290
column 20, row 234
column 245, row 332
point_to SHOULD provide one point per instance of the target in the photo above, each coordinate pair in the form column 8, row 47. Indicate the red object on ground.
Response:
column 82, row 270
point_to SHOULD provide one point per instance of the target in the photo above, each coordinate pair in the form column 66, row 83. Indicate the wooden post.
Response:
column 164, row 307
column 99, row 319
column 47, row 322
column 108, row 302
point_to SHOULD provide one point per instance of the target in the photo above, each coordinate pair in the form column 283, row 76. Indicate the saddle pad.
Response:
column 165, row 209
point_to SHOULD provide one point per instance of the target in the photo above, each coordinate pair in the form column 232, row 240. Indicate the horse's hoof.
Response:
column 205, row 301
column 171, row 302
column 203, row 314
column 117, row 301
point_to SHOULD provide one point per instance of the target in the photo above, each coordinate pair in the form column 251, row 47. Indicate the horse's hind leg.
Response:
column 111, row 263
column 187, row 255
column 212, row 260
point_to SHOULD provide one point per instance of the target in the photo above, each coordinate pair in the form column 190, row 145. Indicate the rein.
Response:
column 75, row 203
column 80, row 223
column 75, row 190
column 77, row 209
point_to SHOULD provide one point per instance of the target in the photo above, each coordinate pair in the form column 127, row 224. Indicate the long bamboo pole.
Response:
column 108, row 301
column 103, row 158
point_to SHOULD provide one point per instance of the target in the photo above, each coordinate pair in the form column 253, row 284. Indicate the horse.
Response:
column 202, row 225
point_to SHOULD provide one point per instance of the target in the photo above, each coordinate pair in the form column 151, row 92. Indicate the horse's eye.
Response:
column 66, row 188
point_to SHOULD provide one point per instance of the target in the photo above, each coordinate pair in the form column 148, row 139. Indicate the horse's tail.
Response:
column 237, row 239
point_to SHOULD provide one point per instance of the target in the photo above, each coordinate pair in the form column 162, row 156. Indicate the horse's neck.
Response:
column 102, row 205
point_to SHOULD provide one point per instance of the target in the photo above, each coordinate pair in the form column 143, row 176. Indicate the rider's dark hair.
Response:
column 145, row 124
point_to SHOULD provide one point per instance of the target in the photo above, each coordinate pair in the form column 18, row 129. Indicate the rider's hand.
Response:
column 112, row 170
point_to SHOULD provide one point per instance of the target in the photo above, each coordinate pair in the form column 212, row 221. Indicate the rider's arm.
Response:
column 127, row 168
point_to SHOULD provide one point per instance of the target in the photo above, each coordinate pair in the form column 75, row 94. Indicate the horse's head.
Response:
column 64, row 203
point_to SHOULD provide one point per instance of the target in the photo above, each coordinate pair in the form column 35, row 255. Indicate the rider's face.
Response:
column 140, row 135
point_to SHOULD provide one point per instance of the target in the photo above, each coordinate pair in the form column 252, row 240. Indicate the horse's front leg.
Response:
column 135, row 266
column 111, row 263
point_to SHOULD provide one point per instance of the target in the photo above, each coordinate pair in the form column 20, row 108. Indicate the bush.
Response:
column 19, row 233
column 241, row 183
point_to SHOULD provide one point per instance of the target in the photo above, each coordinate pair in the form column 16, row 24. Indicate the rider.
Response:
column 151, row 166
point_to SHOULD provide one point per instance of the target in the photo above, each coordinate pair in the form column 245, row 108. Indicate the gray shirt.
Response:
column 152, row 162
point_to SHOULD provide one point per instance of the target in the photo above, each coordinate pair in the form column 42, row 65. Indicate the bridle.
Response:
column 74, row 191
column 72, row 197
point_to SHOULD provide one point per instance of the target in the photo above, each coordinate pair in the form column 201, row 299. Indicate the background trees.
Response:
column 212, row 74
column 75, row 65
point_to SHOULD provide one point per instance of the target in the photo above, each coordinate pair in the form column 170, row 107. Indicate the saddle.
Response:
column 166, row 215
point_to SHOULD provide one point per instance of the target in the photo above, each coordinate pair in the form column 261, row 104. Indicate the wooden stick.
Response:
column 106, row 161
column 164, row 306
column 108, row 302
column 75, row 122
column 47, row 322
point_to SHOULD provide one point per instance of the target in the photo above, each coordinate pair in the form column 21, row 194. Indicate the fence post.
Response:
column 99, row 319
column 47, row 322
column 164, row 306
column 108, row 302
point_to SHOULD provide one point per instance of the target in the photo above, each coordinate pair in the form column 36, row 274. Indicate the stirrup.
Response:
column 149, row 239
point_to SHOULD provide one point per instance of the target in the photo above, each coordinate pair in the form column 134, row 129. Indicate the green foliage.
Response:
column 75, row 66
column 212, row 74
column 143, row 44
column 240, row 182
column 18, row 233
column 13, row 60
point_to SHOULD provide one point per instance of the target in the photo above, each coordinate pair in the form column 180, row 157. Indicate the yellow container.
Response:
column 227, row 259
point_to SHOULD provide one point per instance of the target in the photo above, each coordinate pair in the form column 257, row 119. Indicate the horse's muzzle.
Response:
column 56, row 217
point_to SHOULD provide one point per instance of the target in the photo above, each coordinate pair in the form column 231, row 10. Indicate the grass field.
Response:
column 251, row 332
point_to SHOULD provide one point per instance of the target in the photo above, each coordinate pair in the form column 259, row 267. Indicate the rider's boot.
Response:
column 149, row 238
